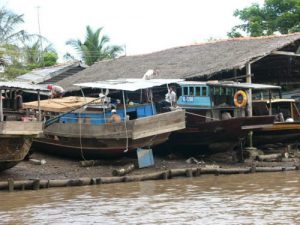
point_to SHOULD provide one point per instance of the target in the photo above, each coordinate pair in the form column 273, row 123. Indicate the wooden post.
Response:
column 270, row 101
column 189, row 173
column 249, row 107
column 198, row 172
column 165, row 175
column 249, row 80
column 36, row 184
column 10, row 182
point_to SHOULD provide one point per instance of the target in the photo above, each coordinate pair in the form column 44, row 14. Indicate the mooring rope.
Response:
column 80, row 137
column 194, row 114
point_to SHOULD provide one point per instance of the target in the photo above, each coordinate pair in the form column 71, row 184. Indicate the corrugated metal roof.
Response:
column 22, row 85
column 128, row 84
column 43, row 74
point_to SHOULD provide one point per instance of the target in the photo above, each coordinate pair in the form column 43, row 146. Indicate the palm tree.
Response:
column 95, row 47
column 8, row 24
column 34, row 55
column 9, row 35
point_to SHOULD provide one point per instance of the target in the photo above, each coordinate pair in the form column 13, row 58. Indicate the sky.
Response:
column 141, row 26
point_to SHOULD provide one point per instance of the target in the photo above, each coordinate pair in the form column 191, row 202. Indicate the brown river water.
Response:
column 262, row 198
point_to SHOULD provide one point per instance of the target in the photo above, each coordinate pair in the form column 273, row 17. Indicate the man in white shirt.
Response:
column 171, row 96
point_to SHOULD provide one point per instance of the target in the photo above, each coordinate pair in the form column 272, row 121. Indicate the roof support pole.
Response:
column 270, row 101
column 249, row 80
column 249, row 107
column 39, row 105
column 1, row 106
column 125, row 120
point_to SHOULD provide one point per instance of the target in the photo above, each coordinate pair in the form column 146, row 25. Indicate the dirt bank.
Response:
column 61, row 168
column 64, row 168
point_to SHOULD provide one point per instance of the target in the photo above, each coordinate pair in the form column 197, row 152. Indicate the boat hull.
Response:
column 87, row 148
column 83, row 140
column 285, row 132
column 15, row 141
column 217, row 136
column 13, row 150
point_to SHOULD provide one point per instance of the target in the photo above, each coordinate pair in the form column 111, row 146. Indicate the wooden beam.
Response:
column 236, row 77
column 285, row 53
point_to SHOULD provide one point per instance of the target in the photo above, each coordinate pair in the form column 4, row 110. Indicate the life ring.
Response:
column 240, row 99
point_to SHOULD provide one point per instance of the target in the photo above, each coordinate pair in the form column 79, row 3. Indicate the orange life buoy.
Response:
column 240, row 99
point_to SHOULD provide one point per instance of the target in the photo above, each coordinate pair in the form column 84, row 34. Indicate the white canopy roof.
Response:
column 128, row 84
column 231, row 84
column 246, row 85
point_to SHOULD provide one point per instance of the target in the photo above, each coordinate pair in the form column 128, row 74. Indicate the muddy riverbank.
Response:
column 64, row 168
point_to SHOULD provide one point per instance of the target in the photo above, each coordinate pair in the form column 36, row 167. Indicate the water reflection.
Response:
column 272, row 198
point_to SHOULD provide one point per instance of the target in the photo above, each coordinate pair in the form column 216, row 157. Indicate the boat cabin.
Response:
column 102, row 115
column 217, row 100
column 284, row 109
column 97, row 111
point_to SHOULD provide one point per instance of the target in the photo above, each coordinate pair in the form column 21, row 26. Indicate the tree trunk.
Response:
column 270, row 157
column 89, row 163
column 124, row 170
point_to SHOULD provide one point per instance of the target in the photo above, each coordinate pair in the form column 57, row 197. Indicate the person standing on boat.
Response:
column 115, row 118
column 56, row 91
column 171, row 96
column 19, row 100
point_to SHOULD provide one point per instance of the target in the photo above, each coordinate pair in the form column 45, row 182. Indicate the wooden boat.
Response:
column 88, row 133
column 215, row 119
column 287, row 124
column 17, row 128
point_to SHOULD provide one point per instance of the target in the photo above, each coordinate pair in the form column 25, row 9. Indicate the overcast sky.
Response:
column 143, row 26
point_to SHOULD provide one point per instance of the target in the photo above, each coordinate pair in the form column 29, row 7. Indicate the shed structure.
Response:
column 273, row 59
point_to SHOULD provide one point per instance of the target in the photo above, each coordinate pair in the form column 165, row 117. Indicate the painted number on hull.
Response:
column 187, row 99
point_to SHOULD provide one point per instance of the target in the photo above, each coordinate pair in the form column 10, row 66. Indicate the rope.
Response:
column 194, row 114
column 80, row 137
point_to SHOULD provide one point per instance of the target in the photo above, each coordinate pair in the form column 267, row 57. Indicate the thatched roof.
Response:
column 185, row 62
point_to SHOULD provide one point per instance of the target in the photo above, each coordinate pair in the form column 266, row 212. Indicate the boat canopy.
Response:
column 22, row 85
column 128, row 84
column 231, row 84
column 276, row 100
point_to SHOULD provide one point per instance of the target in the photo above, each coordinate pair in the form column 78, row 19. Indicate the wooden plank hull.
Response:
column 285, row 132
column 71, row 139
column 13, row 150
column 216, row 136
column 15, row 141
column 94, row 148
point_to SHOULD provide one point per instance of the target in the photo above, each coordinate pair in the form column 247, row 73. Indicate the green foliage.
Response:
column 95, row 47
column 9, row 22
column 18, row 52
column 281, row 16
column 36, row 58
column 50, row 58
